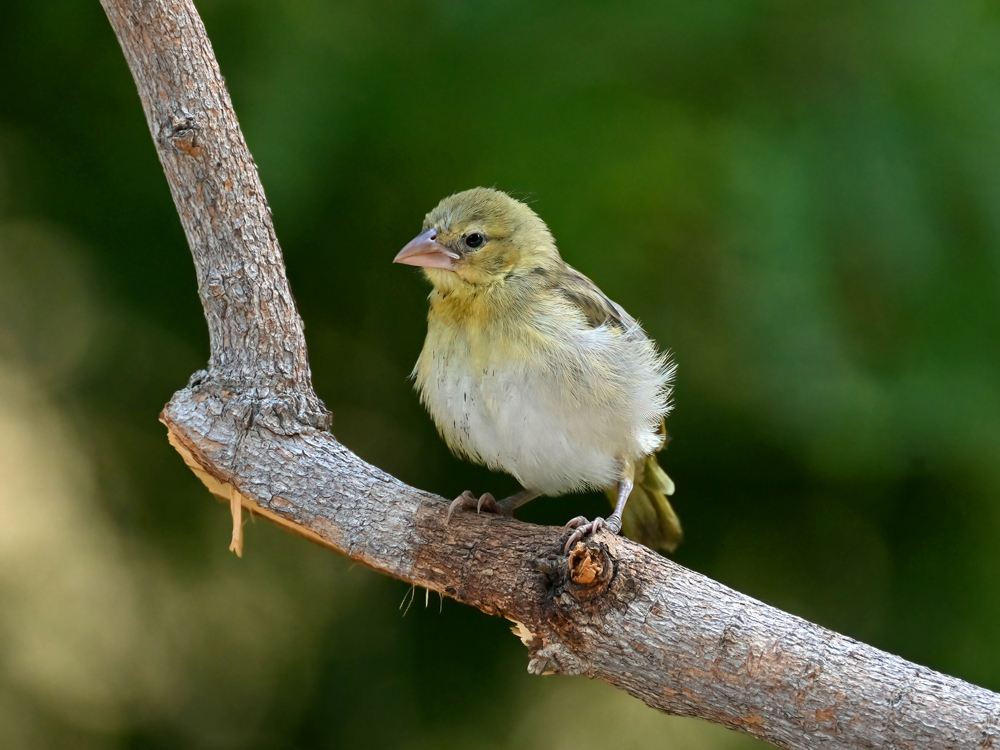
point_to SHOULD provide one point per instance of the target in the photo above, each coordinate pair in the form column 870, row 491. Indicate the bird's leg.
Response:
column 487, row 503
column 508, row 505
column 581, row 526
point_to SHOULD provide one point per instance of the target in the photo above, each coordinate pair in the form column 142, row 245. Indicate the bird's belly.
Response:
column 520, row 422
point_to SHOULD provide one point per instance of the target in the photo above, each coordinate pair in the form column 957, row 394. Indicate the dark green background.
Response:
column 800, row 200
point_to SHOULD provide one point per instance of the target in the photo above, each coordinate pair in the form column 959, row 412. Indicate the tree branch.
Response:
column 253, row 430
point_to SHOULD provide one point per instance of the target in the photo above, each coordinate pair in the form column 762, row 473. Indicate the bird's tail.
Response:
column 649, row 518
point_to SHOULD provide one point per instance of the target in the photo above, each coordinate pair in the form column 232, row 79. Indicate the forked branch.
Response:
column 252, row 428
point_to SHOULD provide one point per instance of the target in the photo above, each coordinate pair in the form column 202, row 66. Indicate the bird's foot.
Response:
column 470, row 501
column 581, row 527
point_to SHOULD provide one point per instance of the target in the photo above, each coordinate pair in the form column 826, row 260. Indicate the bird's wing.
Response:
column 596, row 308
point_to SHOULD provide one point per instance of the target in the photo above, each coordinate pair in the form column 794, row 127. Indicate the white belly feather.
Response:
column 559, row 418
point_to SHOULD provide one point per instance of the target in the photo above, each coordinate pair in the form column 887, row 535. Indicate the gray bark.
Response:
column 252, row 428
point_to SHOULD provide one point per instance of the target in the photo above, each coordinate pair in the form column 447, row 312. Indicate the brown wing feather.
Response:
column 597, row 309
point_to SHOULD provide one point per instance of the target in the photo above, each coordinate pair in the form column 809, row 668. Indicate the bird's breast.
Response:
column 550, row 410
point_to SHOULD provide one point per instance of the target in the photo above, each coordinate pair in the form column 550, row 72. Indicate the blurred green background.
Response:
column 800, row 200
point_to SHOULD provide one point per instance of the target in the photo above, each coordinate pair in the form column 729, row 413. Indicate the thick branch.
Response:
column 252, row 428
column 257, row 347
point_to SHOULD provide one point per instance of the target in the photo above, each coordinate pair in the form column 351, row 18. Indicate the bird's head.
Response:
column 479, row 237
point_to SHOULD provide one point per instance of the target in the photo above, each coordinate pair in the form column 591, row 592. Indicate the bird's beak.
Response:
column 424, row 250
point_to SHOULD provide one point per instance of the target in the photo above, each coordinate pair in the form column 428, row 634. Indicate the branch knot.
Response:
column 591, row 569
column 181, row 132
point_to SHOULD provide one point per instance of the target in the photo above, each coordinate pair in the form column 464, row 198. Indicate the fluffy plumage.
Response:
column 530, row 369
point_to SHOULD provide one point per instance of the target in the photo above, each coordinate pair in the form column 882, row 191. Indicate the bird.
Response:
column 530, row 369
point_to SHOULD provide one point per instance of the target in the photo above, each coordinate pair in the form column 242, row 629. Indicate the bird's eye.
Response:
column 475, row 240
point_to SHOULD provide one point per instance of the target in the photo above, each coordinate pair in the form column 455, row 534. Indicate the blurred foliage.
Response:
column 800, row 200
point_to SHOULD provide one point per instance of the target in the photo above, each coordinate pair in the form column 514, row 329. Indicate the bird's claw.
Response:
column 470, row 501
column 581, row 527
